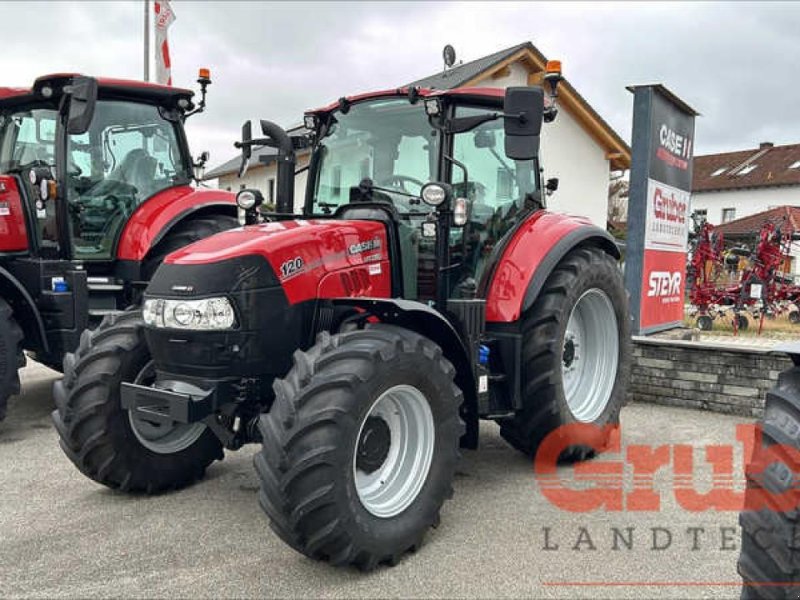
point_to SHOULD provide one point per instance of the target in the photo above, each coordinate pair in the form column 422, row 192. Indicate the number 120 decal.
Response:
column 291, row 267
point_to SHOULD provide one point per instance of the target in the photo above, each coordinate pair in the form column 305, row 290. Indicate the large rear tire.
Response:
column 770, row 554
column 12, row 357
column 360, row 446
column 576, row 355
column 108, row 443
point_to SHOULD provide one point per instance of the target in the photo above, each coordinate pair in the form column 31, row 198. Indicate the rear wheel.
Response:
column 12, row 358
column 110, row 444
column 769, row 550
column 576, row 354
column 360, row 446
column 794, row 317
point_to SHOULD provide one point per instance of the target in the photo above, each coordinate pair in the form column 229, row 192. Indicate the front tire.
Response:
column 576, row 355
column 107, row 443
column 360, row 446
column 12, row 357
column 769, row 562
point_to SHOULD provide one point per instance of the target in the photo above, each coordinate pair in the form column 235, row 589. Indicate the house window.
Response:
column 746, row 170
column 719, row 171
column 336, row 181
column 271, row 191
column 701, row 215
column 728, row 214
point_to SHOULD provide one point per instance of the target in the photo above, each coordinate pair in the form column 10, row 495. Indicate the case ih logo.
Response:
column 664, row 283
column 674, row 148
column 365, row 246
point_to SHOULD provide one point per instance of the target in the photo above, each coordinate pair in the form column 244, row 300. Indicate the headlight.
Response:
column 202, row 315
column 434, row 194
column 246, row 199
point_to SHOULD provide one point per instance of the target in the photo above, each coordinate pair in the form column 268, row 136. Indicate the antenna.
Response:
column 449, row 56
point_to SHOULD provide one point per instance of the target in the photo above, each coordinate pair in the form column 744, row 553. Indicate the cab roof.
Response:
column 466, row 93
column 107, row 86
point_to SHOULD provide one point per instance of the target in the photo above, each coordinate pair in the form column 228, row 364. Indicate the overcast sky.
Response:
column 736, row 63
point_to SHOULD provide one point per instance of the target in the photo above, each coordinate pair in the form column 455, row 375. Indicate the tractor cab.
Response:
column 88, row 152
column 95, row 190
column 452, row 172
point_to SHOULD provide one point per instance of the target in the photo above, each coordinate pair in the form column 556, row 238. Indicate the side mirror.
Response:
column 247, row 150
column 82, row 101
column 523, row 108
column 551, row 185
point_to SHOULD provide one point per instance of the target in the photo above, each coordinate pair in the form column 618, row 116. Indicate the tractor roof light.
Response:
column 204, row 76
column 432, row 107
column 434, row 194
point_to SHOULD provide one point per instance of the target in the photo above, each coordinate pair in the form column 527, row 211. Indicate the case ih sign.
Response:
column 659, row 207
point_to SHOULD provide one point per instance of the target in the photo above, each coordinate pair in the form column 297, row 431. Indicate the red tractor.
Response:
column 94, row 192
column 423, row 288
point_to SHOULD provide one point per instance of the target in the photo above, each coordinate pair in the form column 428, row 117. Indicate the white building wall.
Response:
column 746, row 202
column 571, row 154
column 258, row 178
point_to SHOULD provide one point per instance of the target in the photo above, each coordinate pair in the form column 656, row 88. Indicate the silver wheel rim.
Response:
column 162, row 438
column 392, row 486
column 589, row 356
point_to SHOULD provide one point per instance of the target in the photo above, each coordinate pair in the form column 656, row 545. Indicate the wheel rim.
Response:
column 393, row 451
column 162, row 438
column 590, row 355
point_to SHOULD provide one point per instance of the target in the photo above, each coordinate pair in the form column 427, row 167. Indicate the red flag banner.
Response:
column 164, row 17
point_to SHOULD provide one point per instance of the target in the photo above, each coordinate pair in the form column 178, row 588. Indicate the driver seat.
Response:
column 138, row 169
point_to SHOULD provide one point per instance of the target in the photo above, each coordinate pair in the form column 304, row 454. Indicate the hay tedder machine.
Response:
column 424, row 287
column 761, row 289
column 95, row 191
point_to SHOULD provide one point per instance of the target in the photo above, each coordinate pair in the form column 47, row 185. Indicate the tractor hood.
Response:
column 297, row 255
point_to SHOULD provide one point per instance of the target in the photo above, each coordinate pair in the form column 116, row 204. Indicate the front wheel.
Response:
column 360, row 446
column 576, row 355
column 109, row 444
column 12, row 358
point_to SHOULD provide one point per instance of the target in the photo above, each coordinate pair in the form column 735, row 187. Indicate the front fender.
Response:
column 529, row 257
column 157, row 215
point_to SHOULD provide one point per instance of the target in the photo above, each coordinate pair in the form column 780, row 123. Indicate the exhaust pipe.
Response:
column 275, row 137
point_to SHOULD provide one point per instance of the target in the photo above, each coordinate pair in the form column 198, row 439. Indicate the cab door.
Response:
column 496, row 193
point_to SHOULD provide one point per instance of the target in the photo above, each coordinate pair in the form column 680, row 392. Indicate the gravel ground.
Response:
column 63, row 535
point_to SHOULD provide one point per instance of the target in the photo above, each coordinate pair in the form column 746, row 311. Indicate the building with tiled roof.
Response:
column 732, row 185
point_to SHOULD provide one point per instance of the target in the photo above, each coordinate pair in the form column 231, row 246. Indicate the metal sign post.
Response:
column 659, row 211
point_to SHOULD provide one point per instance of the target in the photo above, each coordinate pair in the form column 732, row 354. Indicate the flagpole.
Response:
column 147, row 40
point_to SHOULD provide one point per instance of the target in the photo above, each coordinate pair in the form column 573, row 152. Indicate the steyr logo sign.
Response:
column 664, row 283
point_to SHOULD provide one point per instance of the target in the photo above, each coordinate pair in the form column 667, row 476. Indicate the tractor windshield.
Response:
column 129, row 153
column 387, row 141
